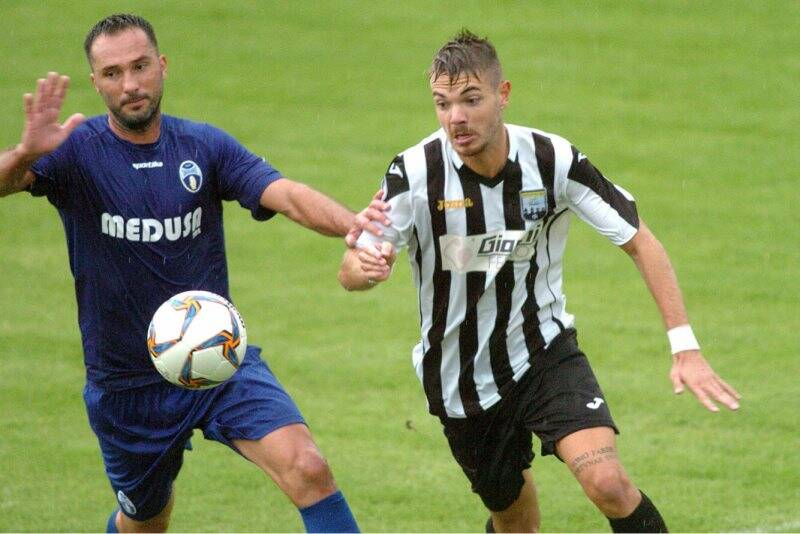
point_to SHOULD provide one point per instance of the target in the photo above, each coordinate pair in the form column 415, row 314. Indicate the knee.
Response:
column 610, row 490
column 310, row 471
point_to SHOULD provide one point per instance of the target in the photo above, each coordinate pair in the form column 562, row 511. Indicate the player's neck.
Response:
column 491, row 160
column 149, row 134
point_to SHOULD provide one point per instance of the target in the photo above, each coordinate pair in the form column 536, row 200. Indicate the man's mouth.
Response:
column 463, row 138
column 136, row 100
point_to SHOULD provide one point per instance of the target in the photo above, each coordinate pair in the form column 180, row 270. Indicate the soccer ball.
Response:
column 197, row 340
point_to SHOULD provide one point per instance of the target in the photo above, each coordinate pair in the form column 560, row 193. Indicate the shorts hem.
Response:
column 549, row 446
column 226, row 438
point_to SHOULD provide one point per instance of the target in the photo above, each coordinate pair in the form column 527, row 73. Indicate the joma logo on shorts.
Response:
column 150, row 230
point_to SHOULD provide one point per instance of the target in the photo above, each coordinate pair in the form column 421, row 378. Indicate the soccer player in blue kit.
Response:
column 140, row 196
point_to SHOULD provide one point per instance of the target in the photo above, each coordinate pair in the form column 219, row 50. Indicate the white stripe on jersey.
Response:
column 503, row 304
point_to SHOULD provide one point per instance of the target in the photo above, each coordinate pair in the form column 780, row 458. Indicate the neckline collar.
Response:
column 465, row 172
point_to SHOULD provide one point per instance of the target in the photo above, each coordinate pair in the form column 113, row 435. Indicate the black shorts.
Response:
column 556, row 397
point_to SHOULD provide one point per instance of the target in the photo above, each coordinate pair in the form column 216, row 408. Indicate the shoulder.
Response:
column 429, row 151
column 187, row 127
column 546, row 148
column 532, row 136
column 91, row 128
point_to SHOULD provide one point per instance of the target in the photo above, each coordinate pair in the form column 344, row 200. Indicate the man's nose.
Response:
column 129, row 83
column 457, row 115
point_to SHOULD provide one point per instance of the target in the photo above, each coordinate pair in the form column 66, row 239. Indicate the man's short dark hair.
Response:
column 114, row 24
column 466, row 54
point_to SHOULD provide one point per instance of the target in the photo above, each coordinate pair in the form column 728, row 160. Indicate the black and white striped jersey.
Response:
column 486, row 256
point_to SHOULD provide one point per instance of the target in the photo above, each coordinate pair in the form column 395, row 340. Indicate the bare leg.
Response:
column 523, row 514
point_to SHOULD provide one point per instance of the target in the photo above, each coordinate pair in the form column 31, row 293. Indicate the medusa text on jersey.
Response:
column 150, row 230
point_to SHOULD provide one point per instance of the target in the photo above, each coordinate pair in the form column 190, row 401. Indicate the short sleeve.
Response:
column 396, row 192
column 54, row 173
column 243, row 176
column 608, row 208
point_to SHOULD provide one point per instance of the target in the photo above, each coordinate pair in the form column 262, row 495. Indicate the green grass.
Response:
column 690, row 105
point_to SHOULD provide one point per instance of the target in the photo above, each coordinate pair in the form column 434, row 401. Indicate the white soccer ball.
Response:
column 197, row 340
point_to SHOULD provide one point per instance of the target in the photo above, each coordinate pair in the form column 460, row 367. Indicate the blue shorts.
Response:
column 144, row 431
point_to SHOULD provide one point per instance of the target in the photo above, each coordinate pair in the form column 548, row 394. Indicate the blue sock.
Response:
column 331, row 514
column 111, row 526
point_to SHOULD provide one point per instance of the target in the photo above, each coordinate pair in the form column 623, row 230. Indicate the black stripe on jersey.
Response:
column 549, row 262
column 504, row 284
column 476, row 283
column 583, row 172
column 418, row 261
column 546, row 161
column 395, row 180
column 432, row 361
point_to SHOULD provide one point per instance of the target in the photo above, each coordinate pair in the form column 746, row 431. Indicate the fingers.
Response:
column 49, row 95
column 73, row 122
column 372, row 256
column 710, row 389
column 62, row 85
column 378, row 195
column 352, row 237
column 27, row 103
column 695, row 373
column 37, row 101
column 387, row 249
column 732, row 392
column 677, row 383
column 375, row 212
column 703, row 398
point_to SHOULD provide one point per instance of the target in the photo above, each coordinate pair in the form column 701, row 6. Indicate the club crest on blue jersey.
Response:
column 191, row 176
column 533, row 204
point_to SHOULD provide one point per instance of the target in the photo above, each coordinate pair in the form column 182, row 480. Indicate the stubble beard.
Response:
column 139, row 121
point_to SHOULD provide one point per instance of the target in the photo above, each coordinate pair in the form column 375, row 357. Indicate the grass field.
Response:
column 692, row 106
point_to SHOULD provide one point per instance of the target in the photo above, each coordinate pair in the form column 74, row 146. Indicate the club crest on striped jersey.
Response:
column 533, row 204
column 191, row 176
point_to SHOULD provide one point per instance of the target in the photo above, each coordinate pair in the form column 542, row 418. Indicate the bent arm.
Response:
column 15, row 173
column 307, row 207
column 689, row 368
column 41, row 134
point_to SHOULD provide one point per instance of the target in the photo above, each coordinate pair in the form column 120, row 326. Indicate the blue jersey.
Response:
column 144, row 222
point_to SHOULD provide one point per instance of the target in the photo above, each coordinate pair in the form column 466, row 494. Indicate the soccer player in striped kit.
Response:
column 484, row 209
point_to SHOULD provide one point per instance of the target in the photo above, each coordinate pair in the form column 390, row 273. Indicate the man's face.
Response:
column 471, row 111
column 129, row 74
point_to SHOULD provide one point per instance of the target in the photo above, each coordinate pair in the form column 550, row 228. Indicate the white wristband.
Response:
column 682, row 338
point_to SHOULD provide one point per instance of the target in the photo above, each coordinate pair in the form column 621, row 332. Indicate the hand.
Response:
column 376, row 211
column 690, row 369
column 377, row 261
column 42, row 132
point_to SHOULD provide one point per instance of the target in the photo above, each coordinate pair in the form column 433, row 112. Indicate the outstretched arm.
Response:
column 308, row 207
column 41, row 134
column 689, row 368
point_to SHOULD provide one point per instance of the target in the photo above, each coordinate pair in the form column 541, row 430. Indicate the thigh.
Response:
column 566, row 397
column 249, row 406
column 587, row 448
column 142, row 435
column 493, row 452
